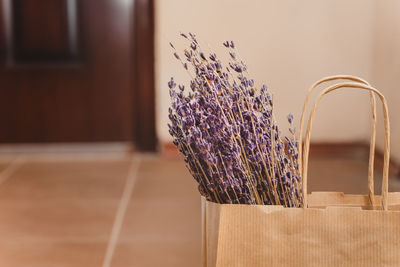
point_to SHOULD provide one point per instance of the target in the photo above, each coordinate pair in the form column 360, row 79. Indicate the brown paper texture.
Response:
column 336, row 230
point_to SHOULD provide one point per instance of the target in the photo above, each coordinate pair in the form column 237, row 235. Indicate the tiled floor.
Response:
column 119, row 211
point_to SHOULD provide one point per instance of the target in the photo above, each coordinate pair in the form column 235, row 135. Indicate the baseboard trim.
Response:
column 169, row 151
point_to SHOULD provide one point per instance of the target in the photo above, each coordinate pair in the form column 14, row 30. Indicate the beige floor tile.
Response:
column 7, row 158
column 52, row 254
column 163, row 221
column 164, row 179
column 6, row 161
column 59, row 213
column 42, row 180
column 60, row 219
column 3, row 166
column 170, row 220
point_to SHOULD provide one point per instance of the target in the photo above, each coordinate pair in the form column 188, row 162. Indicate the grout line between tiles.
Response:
column 121, row 211
column 11, row 168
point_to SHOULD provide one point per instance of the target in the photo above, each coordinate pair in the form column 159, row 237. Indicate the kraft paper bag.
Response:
column 331, row 229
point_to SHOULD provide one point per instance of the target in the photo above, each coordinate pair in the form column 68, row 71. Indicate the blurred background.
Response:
column 88, row 173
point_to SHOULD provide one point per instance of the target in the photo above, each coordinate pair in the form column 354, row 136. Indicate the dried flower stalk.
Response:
column 225, row 128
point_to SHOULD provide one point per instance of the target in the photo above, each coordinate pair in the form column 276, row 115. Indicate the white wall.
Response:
column 386, row 65
column 287, row 44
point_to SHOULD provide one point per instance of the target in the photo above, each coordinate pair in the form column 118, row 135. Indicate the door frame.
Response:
column 144, row 130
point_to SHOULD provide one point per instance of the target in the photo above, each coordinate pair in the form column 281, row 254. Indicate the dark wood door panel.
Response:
column 43, row 30
column 44, row 105
column 55, row 100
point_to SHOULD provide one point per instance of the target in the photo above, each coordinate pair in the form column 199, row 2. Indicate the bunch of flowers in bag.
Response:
column 225, row 129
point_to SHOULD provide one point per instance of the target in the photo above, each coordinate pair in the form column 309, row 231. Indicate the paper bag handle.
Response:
column 385, row 180
column 373, row 134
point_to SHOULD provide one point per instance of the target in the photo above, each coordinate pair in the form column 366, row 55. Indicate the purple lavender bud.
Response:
column 290, row 118
column 267, row 113
column 211, row 187
column 176, row 55
column 213, row 56
column 202, row 56
column 232, row 44
column 196, row 133
column 251, row 92
column 233, row 55
column 285, row 160
column 226, row 43
column 188, row 55
column 192, row 35
column 184, row 35
column 171, row 83
column 172, row 45
column 193, row 46
column 236, row 67
column 202, row 190
column 192, row 85
column 189, row 121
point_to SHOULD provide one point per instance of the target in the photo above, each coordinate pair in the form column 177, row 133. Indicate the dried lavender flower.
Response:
column 226, row 131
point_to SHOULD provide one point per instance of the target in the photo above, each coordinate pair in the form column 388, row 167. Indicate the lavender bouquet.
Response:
column 225, row 128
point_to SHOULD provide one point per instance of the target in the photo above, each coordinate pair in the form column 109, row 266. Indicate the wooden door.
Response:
column 66, row 71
